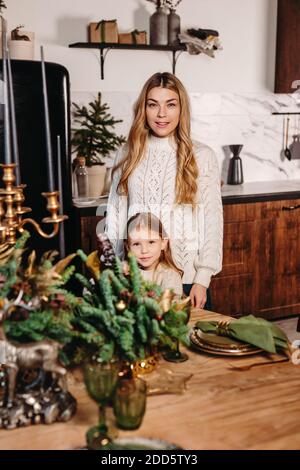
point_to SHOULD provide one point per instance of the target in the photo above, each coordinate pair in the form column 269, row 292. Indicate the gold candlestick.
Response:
column 10, row 219
column 2, row 226
column 19, row 199
column 12, row 210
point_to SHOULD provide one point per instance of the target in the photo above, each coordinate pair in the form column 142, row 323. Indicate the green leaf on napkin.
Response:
column 252, row 330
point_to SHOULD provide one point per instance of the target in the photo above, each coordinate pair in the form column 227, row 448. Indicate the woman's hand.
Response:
column 198, row 296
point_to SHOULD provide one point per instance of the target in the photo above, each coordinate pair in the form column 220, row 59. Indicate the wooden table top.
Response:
column 222, row 408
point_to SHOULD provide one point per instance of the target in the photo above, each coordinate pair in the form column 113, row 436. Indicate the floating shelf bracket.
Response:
column 175, row 55
column 103, row 55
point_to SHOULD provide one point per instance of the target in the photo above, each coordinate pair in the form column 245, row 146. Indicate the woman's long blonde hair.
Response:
column 149, row 221
column 187, row 169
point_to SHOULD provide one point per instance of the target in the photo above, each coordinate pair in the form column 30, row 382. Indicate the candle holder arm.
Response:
column 38, row 228
column 55, row 218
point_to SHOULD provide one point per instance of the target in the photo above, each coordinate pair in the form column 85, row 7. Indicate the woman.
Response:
column 160, row 170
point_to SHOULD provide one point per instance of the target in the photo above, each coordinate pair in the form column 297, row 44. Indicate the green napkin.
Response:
column 250, row 329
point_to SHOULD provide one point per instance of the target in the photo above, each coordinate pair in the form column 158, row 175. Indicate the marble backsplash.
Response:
column 221, row 119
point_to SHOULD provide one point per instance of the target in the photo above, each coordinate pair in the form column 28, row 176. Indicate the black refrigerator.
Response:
column 29, row 107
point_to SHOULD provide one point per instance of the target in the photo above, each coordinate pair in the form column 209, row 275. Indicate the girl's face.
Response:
column 147, row 246
column 162, row 111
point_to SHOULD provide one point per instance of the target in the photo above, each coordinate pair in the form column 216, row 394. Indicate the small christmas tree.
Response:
column 94, row 139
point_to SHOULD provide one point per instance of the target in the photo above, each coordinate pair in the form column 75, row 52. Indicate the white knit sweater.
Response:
column 196, row 236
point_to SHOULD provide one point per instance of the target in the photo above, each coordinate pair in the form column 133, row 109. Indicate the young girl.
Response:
column 148, row 241
column 161, row 170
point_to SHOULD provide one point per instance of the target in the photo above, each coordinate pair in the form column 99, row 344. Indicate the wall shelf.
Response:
column 105, row 47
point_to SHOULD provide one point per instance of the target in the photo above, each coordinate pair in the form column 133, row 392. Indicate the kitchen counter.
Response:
column 231, row 194
column 222, row 408
column 260, row 191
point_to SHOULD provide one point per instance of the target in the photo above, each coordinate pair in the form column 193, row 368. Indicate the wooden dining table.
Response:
column 229, row 403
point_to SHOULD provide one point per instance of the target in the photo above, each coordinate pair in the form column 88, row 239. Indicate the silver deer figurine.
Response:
column 42, row 354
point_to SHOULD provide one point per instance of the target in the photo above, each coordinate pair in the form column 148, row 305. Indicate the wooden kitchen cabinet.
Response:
column 261, row 260
column 230, row 289
column 88, row 226
column 287, row 72
column 278, row 271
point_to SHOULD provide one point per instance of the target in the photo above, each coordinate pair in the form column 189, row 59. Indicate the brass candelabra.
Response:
column 12, row 210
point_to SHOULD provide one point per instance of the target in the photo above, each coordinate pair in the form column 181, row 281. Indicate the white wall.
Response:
column 247, row 31
column 232, row 95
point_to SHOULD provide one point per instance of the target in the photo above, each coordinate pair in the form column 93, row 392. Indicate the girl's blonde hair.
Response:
column 187, row 169
column 151, row 222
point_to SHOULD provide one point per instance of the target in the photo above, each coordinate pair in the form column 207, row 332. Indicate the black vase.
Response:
column 235, row 171
column 159, row 28
column 173, row 28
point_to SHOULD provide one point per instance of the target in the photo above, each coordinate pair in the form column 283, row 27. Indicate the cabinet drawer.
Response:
column 240, row 212
column 238, row 248
column 285, row 209
column 231, row 295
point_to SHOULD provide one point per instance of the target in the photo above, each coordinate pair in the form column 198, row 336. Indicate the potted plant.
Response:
column 95, row 140
column 21, row 44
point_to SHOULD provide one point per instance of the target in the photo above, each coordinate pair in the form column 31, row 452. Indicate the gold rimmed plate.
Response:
column 137, row 443
column 220, row 345
column 219, row 341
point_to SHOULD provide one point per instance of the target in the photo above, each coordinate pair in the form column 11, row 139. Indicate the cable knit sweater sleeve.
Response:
column 208, row 262
column 116, row 218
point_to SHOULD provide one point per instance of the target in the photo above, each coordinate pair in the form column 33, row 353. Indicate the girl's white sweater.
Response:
column 165, row 277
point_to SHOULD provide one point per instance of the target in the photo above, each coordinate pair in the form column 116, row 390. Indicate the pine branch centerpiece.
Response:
column 25, row 313
column 136, row 317
column 118, row 316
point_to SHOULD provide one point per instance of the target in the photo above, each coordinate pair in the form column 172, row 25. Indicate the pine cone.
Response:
column 151, row 294
column 105, row 252
column 58, row 301
column 24, row 286
column 20, row 314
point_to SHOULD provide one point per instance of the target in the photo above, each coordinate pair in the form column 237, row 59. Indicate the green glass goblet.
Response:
column 129, row 403
column 175, row 355
column 100, row 379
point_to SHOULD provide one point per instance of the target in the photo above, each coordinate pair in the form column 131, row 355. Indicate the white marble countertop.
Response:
column 261, row 187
